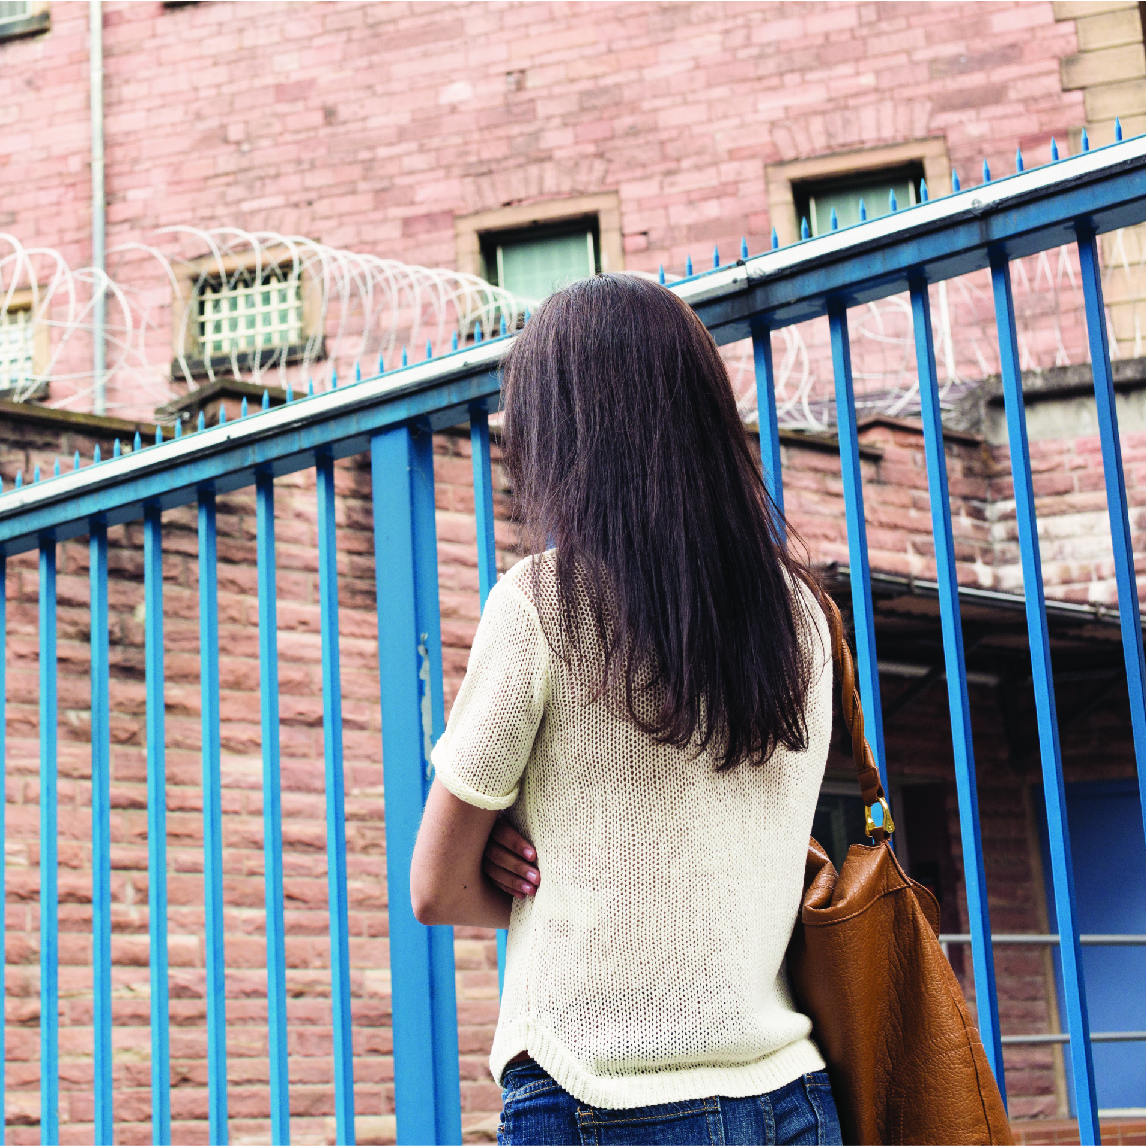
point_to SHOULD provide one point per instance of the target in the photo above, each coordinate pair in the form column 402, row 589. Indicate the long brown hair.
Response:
column 626, row 451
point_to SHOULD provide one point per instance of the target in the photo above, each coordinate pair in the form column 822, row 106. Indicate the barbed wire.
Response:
column 180, row 309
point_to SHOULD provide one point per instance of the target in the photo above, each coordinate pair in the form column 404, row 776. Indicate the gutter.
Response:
column 99, row 213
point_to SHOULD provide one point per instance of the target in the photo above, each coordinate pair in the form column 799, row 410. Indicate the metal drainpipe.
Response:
column 99, row 212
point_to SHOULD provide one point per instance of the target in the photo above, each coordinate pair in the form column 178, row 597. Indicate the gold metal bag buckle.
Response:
column 870, row 826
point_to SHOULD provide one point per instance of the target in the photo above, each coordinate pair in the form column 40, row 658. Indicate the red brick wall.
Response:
column 371, row 126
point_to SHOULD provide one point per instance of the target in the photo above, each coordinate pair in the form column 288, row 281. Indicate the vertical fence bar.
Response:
column 104, row 1114
column 3, row 837
column 410, row 660
column 487, row 564
column 863, row 616
column 156, row 825
column 766, row 412
column 1043, row 678
column 212, row 821
column 272, row 810
column 49, row 855
column 1116, row 500
column 335, row 804
column 958, row 700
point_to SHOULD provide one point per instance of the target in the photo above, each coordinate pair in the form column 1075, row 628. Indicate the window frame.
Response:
column 785, row 179
column 804, row 192
column 187, row 348
column 25, row 300
column 471, row 230
column 36, row 20
column 494, row 241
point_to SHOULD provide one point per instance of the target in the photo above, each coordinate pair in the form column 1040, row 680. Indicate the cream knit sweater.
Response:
column 649, row 967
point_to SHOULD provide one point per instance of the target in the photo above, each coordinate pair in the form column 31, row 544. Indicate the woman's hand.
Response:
column 509, row 860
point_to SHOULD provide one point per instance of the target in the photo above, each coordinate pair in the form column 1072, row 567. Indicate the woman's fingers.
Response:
column 508, row 881
column 506, row 859
column 505, row 834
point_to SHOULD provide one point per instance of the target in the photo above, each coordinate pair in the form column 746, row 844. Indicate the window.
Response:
column 17, row 348
column 815, row 201
column 534, row 262
column 23, row 18
column 250, row 311
column 242, row 310
column 810, row 188
column 540, row 245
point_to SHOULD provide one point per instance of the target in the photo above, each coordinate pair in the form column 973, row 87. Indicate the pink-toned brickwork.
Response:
column 375, row 127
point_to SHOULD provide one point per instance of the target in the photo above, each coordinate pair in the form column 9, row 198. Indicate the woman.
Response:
column 649, row 700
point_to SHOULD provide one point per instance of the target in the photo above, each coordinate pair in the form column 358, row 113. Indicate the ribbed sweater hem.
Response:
column 621, row 1093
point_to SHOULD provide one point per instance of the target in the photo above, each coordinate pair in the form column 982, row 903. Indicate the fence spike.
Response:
column 289, row 393
column 96, row 457
column 1117, row 130
column 1085, row 140
column 661, row 274
column 334, row 376
column 57, row 469
column 1054, row 150
column 863, row 211
column 117, row 449
column 310, row 387
column 429, row 350
column 454, row 341
column 243, row 408
column 36, row 475
column 19, row 479
column 1, row 485
column 715, row 256
column 357, row 371
column 179, row 427
column 923, row 190
column 528, row 314
column 804, row 232
column 381, row 365
column 955, row 180
column 688, row 266
column 222, row 414
column 986, row 172
column 76, row 462
column 775, row 240
column 266, row 400
column 892, row 202
column 201, row 424
column 136, row 444
column 405, row 358
column 835, row 222
column 743, row 247
column 158, row 434
column 504, row 328
column 477, row 331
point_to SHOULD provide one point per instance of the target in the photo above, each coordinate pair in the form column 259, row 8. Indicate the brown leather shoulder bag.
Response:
column 904, row 1056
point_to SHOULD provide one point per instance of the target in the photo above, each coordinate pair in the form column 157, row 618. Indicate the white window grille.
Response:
column 246, row 314
column 13, row 10
column 17, row 348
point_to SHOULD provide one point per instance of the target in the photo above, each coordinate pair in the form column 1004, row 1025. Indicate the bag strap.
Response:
column 866, row 772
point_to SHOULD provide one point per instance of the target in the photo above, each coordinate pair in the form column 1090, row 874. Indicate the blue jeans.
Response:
column 537, row 1110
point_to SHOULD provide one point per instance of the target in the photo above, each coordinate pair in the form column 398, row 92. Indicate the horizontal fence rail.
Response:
column 393, row 416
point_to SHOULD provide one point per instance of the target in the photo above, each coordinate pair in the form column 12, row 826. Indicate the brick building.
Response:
column 495, row 140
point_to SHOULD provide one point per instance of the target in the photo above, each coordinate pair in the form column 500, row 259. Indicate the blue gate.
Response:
column 393, row 416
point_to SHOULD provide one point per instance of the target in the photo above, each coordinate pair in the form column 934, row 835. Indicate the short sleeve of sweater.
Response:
column 490, row 733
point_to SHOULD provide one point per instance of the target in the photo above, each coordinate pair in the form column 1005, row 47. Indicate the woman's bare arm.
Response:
column 447, row 885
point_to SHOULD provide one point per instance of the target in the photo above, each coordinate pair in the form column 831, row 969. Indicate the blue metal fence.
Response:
column 393, row 416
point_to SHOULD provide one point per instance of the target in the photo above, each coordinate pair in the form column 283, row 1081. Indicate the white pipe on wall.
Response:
column 99, row 213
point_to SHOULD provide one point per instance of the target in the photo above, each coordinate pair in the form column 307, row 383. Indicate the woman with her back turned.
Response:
column 649, row 702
